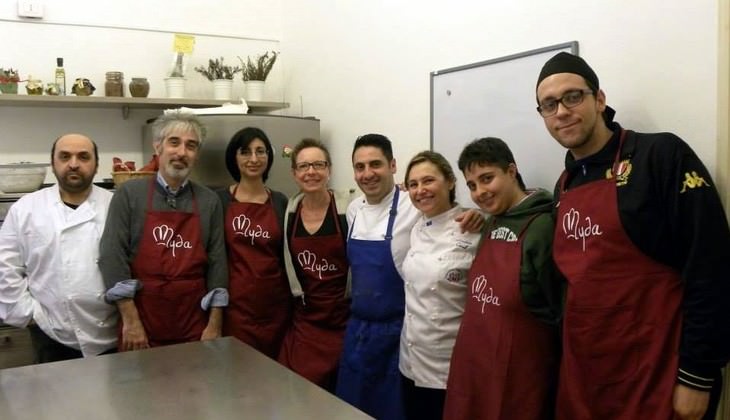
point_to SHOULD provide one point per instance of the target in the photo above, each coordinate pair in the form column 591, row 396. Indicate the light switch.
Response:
column 30, row 9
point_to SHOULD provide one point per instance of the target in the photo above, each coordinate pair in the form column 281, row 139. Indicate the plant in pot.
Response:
column 255, row 73
column 221, row 75
column 9, row 79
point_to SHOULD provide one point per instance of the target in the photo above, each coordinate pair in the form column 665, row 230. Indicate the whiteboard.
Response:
column 496, row 98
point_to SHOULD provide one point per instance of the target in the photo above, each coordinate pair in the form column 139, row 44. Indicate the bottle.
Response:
column 60, row 76
column 114, row 85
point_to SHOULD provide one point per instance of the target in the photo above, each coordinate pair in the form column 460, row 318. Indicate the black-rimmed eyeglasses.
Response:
column 570, row 99
column 318, row 165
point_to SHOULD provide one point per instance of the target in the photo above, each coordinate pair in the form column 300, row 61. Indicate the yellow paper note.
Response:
column 183, row 44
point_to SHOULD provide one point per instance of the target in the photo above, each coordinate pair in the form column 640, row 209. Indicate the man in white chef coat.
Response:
column 49, row 246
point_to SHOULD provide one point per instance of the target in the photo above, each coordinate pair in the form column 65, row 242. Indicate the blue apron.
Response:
column 368, row 377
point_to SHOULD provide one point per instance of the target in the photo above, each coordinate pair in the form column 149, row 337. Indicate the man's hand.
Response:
column 215, row 325
column 690, row 404
column 470, row 221
column 134, row 336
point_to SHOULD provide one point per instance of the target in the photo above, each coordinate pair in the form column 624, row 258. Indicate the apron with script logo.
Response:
column 260, row 300
column 622, row 316
column 313, row 343
column 170, row 263
column 505, row 360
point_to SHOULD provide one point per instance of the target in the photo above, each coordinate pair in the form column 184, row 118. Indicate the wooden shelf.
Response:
column 126, row 103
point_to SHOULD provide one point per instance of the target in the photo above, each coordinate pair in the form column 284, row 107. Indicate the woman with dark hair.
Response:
column 434, row 273
column 316, row 263
column 260, row 304
column 505, row 359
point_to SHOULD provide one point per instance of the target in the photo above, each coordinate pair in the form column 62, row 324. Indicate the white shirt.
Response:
column 371, row 223
column 49, row 272
column 435, row 274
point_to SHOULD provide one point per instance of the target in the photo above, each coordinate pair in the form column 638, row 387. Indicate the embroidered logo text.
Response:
column 308, row 260
column 165, row 236
column 577, row 229
column 242, row 226
column 483, row 293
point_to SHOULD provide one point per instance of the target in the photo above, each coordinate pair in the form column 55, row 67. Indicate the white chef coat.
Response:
column 49, row 272
column 371, row 223
column 435, row 273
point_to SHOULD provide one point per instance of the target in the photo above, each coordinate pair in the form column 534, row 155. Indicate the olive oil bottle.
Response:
column 60, row 76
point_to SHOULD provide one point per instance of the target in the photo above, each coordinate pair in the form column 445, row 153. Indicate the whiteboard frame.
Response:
column 572, row 46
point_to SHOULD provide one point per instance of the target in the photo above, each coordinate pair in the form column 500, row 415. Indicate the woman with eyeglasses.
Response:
column 317, row 268
column 260, row 303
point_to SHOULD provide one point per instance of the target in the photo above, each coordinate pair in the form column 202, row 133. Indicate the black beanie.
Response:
column 564, row 62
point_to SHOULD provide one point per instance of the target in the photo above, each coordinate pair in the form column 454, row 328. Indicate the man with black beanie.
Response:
column 642, row 238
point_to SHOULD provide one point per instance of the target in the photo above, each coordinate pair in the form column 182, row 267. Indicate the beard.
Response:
column 73, row 182
column 177, row 173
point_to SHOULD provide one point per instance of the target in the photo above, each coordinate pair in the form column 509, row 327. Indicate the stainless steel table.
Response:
column 219, row 379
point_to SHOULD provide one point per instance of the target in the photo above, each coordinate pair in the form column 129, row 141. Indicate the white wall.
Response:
column 364, row 66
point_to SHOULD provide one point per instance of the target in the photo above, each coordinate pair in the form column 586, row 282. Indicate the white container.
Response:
column 255, row 90
column 222, row 89
column 175, row 87
column 22, row 177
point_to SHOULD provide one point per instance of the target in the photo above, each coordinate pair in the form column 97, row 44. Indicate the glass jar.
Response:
column 34, row 87
column 139, row 87
column 114, row 85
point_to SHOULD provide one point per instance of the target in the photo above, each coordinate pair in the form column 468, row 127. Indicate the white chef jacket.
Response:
column 435, row 273
column 371, row 223
column 49, row 272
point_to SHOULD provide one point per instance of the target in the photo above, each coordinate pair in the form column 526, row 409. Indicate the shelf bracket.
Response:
column 125, row 112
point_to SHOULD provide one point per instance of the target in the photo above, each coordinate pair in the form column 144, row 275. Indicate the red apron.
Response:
column 170, row 263
column 260, row 304
column 622, row 316
column 505, row 360
column 313, row 343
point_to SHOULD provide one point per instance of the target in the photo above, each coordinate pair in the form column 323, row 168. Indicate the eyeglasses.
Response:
column 570, row 99
column 247, row 154
column 318, row 165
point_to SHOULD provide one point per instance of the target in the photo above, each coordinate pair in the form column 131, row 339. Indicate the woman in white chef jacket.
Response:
column 435, row 271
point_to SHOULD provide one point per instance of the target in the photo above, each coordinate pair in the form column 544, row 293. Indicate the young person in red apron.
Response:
column 259, row 308
column 173, row 278
column 317, row 268
column 643, row 241
column 504, row 364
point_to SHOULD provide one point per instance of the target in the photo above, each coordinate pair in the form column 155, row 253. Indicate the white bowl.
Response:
column 22, row 177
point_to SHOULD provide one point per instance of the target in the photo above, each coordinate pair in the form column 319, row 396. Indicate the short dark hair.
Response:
column 440, row 162
column 241, row 140
column 93, row 146
column 374, row 140
column 307, row 143
column 488, row 151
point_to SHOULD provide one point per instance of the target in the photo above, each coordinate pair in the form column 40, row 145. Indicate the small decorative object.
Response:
column 82, row 87
column 9, row 79
column 114, row 85
column 255, row 73
column 53, row 89
column 34, row 86
column 139, row 87
column 175, row 82
column 222, row 77
column 286, row 151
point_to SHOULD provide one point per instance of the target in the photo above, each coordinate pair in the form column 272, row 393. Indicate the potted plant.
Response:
column 221, row 75
column 255, row 73
column 9, row 79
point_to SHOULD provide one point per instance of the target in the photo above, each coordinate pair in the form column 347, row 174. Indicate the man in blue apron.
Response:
column 380, row 226
column 643, row 242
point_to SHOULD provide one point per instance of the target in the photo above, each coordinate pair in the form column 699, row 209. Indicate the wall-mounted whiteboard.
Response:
column 496, row 98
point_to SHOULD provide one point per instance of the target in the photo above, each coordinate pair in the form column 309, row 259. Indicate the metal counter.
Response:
column 219, row 379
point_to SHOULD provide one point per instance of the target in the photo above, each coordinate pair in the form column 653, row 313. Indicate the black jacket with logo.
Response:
column 670, row 209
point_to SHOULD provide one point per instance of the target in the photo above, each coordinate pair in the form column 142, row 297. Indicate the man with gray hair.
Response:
column 162, row 254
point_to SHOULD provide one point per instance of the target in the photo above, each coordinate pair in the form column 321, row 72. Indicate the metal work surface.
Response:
column 220, row 379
